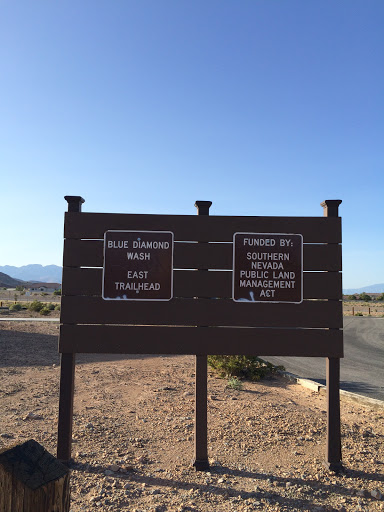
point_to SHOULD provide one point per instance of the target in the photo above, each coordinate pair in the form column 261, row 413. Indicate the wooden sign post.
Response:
column 130, row 280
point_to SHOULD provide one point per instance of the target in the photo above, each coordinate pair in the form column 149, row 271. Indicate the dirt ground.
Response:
column 133, row 434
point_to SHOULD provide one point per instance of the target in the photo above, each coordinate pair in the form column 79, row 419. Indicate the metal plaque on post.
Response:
column 138, row 265
column 267, row 267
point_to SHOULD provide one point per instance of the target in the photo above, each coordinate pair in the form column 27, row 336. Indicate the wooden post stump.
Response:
column 32, row 480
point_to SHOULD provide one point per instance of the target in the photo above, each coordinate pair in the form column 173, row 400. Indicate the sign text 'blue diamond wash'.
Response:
column 138, row 265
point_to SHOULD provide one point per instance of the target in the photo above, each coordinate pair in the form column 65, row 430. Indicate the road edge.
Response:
column 344, row 395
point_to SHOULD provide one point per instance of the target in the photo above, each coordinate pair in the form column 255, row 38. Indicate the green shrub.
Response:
column 36, row 306
column 19, row 288
column 15, row 307
column 351, row 297
column 44, row 311
column 235, row 383
column 365, row 297
column 57, row 292
column 57, row 308
column 359, row 314
column 380, row 297
column 242, row 367
column 50, row 306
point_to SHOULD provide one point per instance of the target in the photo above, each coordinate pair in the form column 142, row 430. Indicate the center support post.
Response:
column 200, row 461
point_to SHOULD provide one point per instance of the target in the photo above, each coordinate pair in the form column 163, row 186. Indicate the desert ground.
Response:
column 133, row 434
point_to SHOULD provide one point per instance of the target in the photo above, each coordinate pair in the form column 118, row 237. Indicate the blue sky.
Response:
column 263, row 107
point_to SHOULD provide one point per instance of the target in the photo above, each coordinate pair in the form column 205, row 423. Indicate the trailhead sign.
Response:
column 138, row 265
column 267, row 267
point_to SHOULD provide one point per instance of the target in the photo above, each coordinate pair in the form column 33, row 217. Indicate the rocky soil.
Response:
column 133, row 434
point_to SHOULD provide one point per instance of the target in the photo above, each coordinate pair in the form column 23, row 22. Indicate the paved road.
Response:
column 361, row 369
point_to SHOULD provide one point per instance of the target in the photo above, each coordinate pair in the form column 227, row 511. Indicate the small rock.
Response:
column 288, row 485
column 360, row 493
column 114, row 467
column 108, row 472
column 376, row 494
column 33, row 416
column 7, row 436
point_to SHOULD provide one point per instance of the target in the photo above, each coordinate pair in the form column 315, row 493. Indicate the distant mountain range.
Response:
column 373, row 288
column 37, row 273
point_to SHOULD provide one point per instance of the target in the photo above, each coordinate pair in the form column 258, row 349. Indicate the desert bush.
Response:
column 36, row 306
column 359, row 314
column 51, row 306
column 242, row 367
column 57, row 308
column 45, row 311
column 15, row 307
column 365, row 297
column 235, row 383
column 19, row 288
column 352, row 297
column 57, row 292
column 380, row 297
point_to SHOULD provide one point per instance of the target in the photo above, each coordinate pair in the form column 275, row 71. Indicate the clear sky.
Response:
column 144, row 106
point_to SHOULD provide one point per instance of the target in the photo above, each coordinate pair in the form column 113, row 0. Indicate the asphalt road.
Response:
column 361, row 369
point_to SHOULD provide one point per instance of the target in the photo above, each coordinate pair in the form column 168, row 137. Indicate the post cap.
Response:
column 32, row 465
column 331, row 207
column 203, row 207
column 74, row 203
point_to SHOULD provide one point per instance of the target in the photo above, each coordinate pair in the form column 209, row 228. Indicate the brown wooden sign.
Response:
column 267, row 267
column 112, row 263
column 138, row 265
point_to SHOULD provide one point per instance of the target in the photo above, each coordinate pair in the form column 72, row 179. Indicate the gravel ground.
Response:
column 133, row 434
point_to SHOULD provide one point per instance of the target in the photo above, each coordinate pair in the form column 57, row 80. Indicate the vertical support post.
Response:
column 333, row 450
column 200, row 461
column 67, row 379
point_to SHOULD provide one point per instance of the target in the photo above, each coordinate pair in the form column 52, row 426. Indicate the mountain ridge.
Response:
column 373, row 288
column 34, row 272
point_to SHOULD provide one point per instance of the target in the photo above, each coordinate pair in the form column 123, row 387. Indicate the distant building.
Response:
column 43, row 287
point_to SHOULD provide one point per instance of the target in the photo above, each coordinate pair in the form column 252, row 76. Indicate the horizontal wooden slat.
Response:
column 322, row 285
column 88, row 281
column 201, row 312
column 322, row 257
column 201, row 340
column 202, row 228
column 89, row 253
